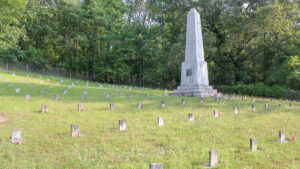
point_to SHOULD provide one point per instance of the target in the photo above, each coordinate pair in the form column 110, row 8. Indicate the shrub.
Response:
column 254, row 90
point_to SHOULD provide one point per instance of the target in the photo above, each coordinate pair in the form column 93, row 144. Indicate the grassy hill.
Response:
column 46, row 140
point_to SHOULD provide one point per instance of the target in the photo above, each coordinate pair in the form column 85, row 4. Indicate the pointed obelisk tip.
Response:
column 193, row 10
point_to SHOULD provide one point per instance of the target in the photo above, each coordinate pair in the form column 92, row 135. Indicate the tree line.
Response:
column 143, row 41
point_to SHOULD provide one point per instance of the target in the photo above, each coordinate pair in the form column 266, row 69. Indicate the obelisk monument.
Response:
column 194, row 73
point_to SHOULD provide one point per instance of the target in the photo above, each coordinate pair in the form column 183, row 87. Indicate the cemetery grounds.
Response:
column 46, row 140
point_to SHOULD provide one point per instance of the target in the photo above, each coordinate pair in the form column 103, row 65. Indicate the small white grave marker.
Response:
column 44, row 108
column 236, row 110
column 191, row 117
column 75, row 130
column 112, row 106
column 18, row 90
column 266, row 106
column 213, row 158
column 163, row 104
column 80, row 107
column 16, row 136
column 282, row 136
column 156, row 166
column 160, row 121
column 253, row 144
column 57, row 97
column 122, row 125
column 183, row 102
column 253, row 107
column 216, row 113
column 139, row 105
column 27, row 97
column 201, row 100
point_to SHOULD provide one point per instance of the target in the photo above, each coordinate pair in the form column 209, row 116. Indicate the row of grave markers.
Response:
column 213, row 154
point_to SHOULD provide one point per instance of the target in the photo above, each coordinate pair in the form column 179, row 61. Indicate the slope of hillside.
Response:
column 46, row 140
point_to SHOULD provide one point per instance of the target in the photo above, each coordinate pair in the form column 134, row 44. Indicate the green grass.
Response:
column 178, row 144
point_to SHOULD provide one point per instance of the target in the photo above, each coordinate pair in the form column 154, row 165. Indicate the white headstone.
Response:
column 16, row 136
column 44, row 108
column 74, row 130
column 213, row 158
column 160, row 121
column 253, row 144
column 122, row 125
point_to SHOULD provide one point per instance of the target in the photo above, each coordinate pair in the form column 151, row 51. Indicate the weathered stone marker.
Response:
column 74, row 130
column 137, row 94
column 253, row 144
column 27, row 97
column 10, row 84
column 253, row 107
column 147, row 95
column 107, row 97
column 16, row 136
column 282, row 136
column 164, row 94
column 279, row 105
column 266, row 106
column 160, row 121
column 51, row 86
column 44, row 108
column 139, row 105
column 42, row 91
column 65, row 91
column 291, row 106
column 18, row 90
column 216, row 113
column 213, row 158
column 253, row 99
column 201, row 100
column 80, row 107
column 112, row 106
column 156, row 166
column 163, row 104
column 191, row 117
column 122, row 125
column 183, row 102
column 103, row 92
column 217, row 99
column 236, row 110
column 230, row 98
column 121, row 92
column 244, row 98
column 57, row 97
column 83, row 97
column 128, row 96
column 85, row 92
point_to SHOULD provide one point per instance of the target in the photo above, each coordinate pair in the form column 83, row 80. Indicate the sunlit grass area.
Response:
column 46, row 140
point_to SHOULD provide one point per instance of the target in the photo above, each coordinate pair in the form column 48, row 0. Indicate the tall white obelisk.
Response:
column 194, row 73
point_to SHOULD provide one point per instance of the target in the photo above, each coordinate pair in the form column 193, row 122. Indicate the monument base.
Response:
column 196, row 91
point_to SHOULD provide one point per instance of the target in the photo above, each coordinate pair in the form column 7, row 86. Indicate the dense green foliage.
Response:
column 255, row 90
column 143, row 41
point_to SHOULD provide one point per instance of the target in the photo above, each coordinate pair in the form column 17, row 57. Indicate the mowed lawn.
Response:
column 46, row 140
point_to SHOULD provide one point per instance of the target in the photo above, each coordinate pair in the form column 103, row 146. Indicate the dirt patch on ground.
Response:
column 3, row 119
